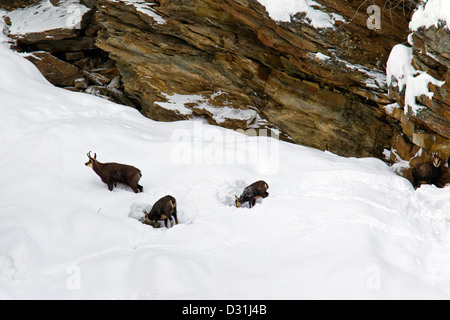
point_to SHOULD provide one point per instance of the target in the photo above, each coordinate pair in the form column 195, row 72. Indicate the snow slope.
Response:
column 331, row 228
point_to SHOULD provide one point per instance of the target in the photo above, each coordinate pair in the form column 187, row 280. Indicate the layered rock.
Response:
column 431, row 54
column 59, row 38
column 321, row 87
column 424, row 115
column 49, row 21
column 56, row 71
column 15, row 4
column 235, row 66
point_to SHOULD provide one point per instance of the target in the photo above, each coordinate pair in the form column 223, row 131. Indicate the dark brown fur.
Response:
column 114, row 173
column 428, row 172
column 252, row 193
column 164, row 209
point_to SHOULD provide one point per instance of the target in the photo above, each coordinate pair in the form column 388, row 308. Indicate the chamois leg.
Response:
column 133, row 182
column 254, row 202
column 174, row 214
column 110, row 186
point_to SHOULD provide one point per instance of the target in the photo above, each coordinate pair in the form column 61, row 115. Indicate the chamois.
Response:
column 427, row 172
column 252, row 193
column 114, row 173
column 164, row 209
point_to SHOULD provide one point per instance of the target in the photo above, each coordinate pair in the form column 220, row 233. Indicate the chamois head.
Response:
column 91, row 161
column 428, row 172
column 437, row 160
column 238, row 202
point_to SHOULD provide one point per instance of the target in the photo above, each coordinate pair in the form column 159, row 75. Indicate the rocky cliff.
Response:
column 426, row 122
column 421, row 89
column 320, row 86
column 59, row 38
column 320, row 83
column 15, row 4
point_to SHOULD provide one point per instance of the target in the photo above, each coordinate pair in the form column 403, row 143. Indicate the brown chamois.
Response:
column 164, row 209
column 252, row 193
column 427, row 172
column 114, row 173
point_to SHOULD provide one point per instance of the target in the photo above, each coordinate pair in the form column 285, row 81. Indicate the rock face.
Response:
column 231, row 63
column 431, row 54
column 428, row 126
column 59, row 38
column 56, row 71
column 321, row 87
column 14, row 4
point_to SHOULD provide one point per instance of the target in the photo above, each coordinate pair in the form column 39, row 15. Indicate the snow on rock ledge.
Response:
column 432, row 13
column 47, row 21
column 144, row 7
column 285, row 12
column 402, row 74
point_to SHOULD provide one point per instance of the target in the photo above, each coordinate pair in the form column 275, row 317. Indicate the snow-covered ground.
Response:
column 331, row 228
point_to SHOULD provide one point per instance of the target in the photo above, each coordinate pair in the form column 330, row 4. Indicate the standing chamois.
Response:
column 114, row 173
column 164, row 209
column 427, row 172
column 252, row 193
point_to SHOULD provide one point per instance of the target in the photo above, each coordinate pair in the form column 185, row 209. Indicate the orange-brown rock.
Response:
column 323, row 88
column 55, row 70
column 320, row 87
column 15, row 4
column 429, row 128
